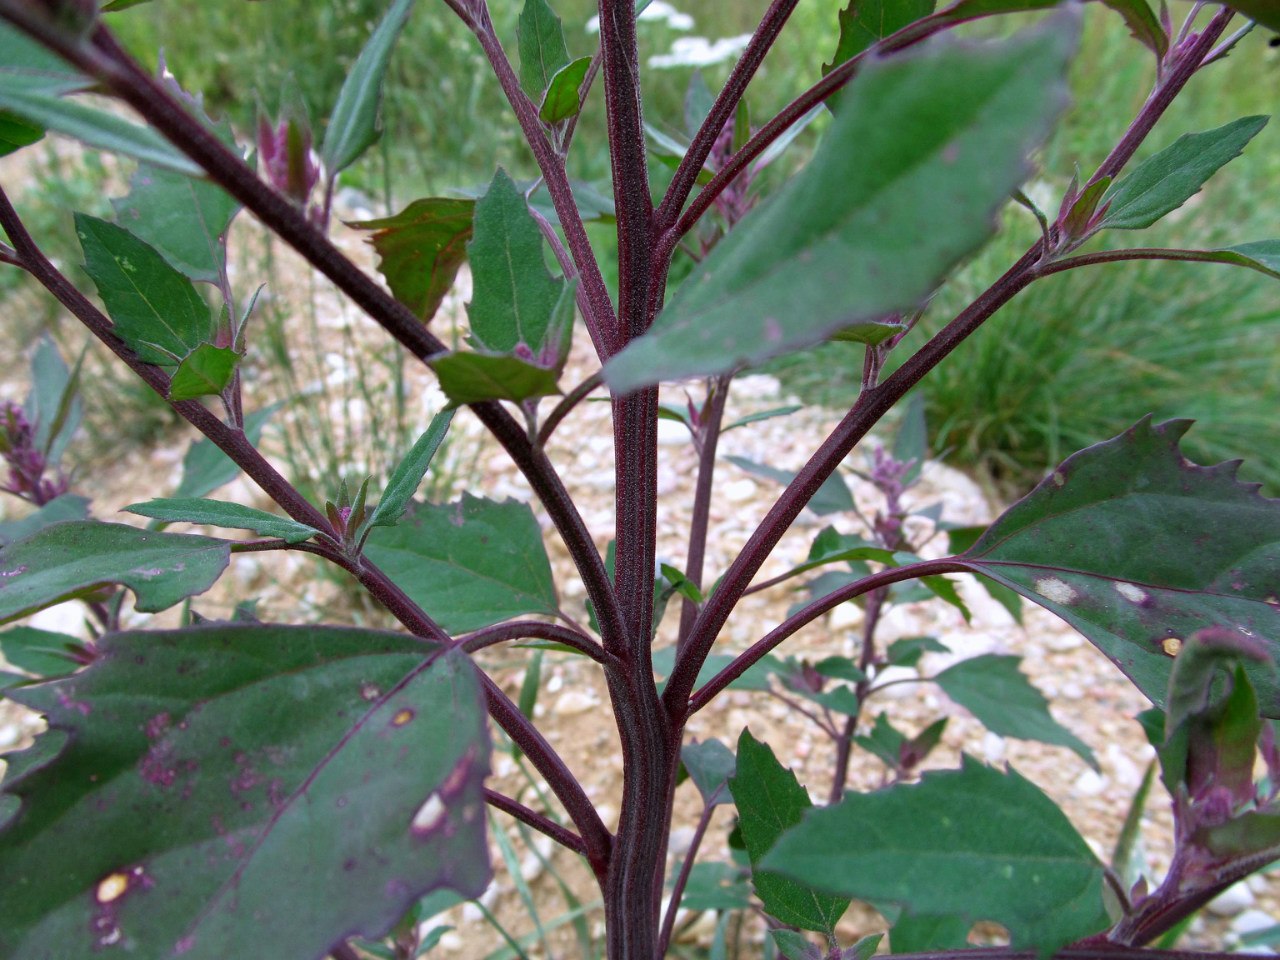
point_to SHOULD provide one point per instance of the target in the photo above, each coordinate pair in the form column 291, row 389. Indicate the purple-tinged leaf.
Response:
column 1137, row 548
column 420, row 250
column 973, row 843
column 770, row 801
column 236, row 791
column 844, row 246
column 794, row 946
column 76, row 558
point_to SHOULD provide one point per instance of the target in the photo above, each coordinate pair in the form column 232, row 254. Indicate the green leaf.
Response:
column 864, row 23
column 407, row 476
column 710, row 765
column 477, row 377
column 1162, row 183
column 793, row 946
column 973, row 843
column 908, row 651
column 16, row 133
column 832, row 497
column 205, row 467
column 994, row 690
column 420, row 250
column 470, row 563
column 1142, row 23
column 513, row 294
column 26, row 64
column 355, row 124
column 183, row 218
column 762, row 415
column 42, row 652
column 911, row 440
column 117, row 5
column 1262, row 11
column 857, row 236
column 885, row 741
column 1133, row 545
column 155, row 309
column 770, row 801
column 53, row 404
column 540, row 39
column 205, row 372
column 93, row 128
column 69, row 506
column 204, row 764
column 830, row 546
column 72, row 559
column 716, row 886
column 220, row 513
column 918, row 934
column 1260, row 255
column 563, row 93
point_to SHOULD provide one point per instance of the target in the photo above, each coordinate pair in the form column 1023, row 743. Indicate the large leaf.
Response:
column 354, row 124
column 220, row 513
column 234, row 791
column 155, row 309
column 1133, row 545
column 993, row 689
column 1164, row 182
column 183, row 218
column 420, row 250
column 973, row 843
column 72, row 559
column 858, row 235
column 540, row 39
column 26, row 64
column 470, row 563
column 514, row 295
column 1264, row 12
column 770, row 801
column 205, row 467
column 864, row 23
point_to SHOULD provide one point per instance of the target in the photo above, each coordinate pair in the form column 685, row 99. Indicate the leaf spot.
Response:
column 1171, row 645
column 1059, row 479
column 369, row 691
column 20, row 568
column 1055, row 590
column 112, row 887
column 429, row 815
column 1130, row 592
column 402, row 717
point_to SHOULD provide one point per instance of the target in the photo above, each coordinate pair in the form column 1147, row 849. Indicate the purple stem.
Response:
column 686, row 868
column 707, row 440
column 534, row 630
column 1133, row 253
column 566, row 838
column 866, row 656
column 562, row 409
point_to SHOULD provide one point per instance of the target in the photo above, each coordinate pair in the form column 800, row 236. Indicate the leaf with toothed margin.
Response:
column 237, row 791
column 864, row 23
column 74, row 559
column 1133, row 545
column 856, row 238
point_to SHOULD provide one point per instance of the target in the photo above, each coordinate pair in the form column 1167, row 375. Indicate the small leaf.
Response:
column 710, row 765
column 41, row 652
column 53, row 405
column 513, row 296
column 205, row 467
column 1260, row 255
column 885, row 741
column 994, row 690
column 355, row 124
column 185, row 219
column 420, row 250
column 864, row 23
column 1201, row 550
column 469, row 564
column 770, row 801
column 911, row 441
column 842, row 246
column 839, row 668
column 1142, row 23
column 908, row 651
column 16, row 133
column 794, row 946
column 540, row 39
column 832, row 497
column 563, row 99
column 220, row 513
column 205, row 762
column 1164, row 182
column 205, row 372
column 972, row 843
column 755, row 678
column 117, row 5
column 407, row 476
column 154, row 308
column 69, row 560
column 762, row 415
column 66, row 507
column 477, row 377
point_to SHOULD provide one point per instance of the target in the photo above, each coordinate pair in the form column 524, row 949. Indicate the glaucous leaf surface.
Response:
column 540, row 40
column 1133, row 545
column 204, row 372
column 470, row 563
column 770, row 801
column 354, row 125
column 994, row 690
column 974, row 843
column 1164, row 182
column 710, row 764
column 72, row 559
column 155, row 309
column 864, row 23
column 420, row 250
column 857, row 235
column 220, row 513
column 237, row 791
column 832, row 497
column 183, row 218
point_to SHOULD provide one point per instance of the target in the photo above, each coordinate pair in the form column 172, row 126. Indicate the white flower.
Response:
column 700, row 52
column 658, row 10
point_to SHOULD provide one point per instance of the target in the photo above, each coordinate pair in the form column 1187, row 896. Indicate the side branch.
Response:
column 534, row 630
column 566, row 838
column 753, row 654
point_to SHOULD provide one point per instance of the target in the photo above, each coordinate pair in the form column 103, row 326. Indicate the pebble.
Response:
column 740, row 491
column 574, row 702
column 1232, row 902
column 1251, row 921
column 1089, row 784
